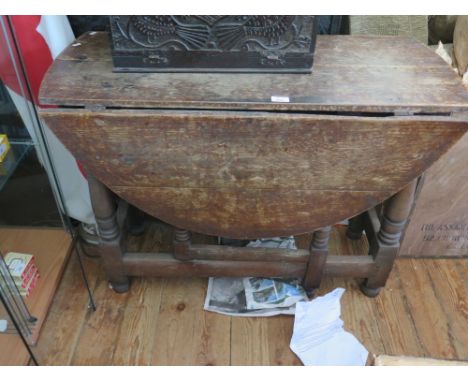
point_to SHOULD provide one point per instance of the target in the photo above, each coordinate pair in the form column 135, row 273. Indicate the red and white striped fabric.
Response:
column 40, row 39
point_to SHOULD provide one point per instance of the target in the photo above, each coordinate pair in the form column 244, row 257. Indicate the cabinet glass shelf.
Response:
column 17, row 152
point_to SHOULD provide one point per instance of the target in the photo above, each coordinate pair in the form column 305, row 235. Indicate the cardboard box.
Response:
column 29, row 288
column 24, row 282
column 8, row 163
column 438, row 224
column 19, row 264
column 4, row 147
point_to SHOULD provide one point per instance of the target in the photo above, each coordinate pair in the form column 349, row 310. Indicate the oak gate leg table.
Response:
column 216, row 154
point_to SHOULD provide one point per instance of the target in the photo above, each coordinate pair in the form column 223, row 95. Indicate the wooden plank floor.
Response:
column 422, row 312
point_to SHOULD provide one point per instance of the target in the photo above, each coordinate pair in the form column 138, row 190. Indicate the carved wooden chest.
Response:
column 213, row 43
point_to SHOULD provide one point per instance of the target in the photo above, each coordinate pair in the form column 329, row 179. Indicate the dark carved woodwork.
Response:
column 213, row 43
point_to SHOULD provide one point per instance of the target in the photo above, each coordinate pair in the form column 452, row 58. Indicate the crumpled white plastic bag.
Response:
column 319, row 338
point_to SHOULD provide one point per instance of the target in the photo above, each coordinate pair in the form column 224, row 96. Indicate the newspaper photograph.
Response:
column 261, row 293
column 252, row 296
column 256, row 296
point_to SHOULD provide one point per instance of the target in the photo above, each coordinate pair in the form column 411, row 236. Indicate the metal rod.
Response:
column 22, row 323
column 14, row 291
column 26, row 344
column 11, row 307
column 75, row 247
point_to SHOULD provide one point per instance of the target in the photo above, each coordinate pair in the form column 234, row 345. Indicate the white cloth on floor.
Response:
column 319, row 338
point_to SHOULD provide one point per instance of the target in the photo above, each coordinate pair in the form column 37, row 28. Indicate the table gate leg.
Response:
column 385, row 248
column 317, row 259
column 181, row 244
column 111, row 243
column 355, row 227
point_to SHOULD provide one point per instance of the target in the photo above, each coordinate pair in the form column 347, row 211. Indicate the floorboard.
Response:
column 183, row 324
column 67, row 314
column 422, row 312
column 138, row 330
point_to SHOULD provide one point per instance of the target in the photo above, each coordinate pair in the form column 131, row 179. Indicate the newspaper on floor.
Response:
column 274, row 242
column 261, row 293
column 255, row 296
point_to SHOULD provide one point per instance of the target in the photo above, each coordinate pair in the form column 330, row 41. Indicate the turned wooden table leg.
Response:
column 355, row 227
column 111, row 242
column 317, row 259
column 386, row 246
column 181, row 244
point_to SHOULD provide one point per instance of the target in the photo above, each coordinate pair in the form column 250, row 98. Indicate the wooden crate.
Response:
column 438, row 226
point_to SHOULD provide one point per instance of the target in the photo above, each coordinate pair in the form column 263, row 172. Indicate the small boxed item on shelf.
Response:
column 23, row 270
column 27, row 290
column 4, row 147
column 30, row 274
column 7, row 164
column 19, row 264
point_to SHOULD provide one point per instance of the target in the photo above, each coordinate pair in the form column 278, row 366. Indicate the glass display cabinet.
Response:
column 33, row 217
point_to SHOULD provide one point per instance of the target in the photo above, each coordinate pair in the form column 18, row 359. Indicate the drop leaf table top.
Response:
column 212, row 152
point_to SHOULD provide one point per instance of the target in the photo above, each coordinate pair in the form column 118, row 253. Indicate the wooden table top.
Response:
column 236, row 169
column 351, row 74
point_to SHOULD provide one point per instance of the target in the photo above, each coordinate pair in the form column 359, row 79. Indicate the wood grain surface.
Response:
column 249, row 175
column 421, row 313
column 439, row 222
column 98, row 339
column 184, row 325
column 413, row 283
column 139, row 323
column 350, row 74
column 387, row 360
column 67, row 312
